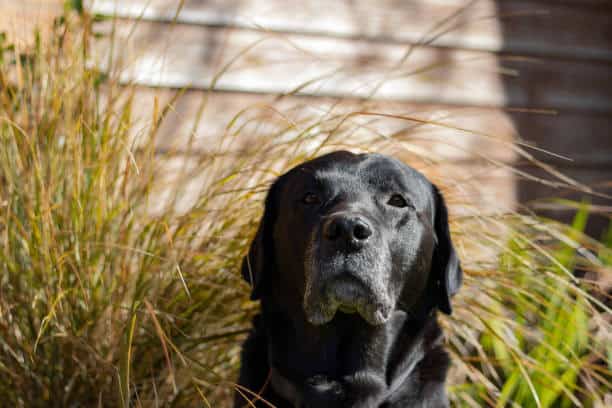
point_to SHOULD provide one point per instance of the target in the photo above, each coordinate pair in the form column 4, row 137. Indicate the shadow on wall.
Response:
column 565, row 68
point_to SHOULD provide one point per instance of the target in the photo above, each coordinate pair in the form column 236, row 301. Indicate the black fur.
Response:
column 366, row 334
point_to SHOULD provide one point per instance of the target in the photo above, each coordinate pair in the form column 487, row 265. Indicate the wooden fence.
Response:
column 528, row 72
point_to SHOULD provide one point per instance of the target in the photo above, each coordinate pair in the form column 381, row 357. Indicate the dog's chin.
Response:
column 321, row 306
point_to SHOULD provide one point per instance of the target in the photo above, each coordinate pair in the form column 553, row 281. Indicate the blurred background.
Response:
column 138, row 138
column 533, row 73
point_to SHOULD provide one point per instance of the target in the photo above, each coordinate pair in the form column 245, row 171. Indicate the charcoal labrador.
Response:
column 352, row 259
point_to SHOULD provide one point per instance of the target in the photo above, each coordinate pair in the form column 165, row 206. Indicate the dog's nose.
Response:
column 346, row 227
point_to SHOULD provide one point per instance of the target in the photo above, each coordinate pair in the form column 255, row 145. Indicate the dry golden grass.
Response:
column 119, row 282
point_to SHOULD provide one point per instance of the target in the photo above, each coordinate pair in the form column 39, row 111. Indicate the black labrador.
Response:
column 351, row 261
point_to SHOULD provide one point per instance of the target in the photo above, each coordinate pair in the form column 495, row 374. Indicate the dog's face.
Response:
column 359, row 234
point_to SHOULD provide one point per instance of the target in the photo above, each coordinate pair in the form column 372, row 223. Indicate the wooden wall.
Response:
column 581, row 129
column 18, row 19
column 511, row 71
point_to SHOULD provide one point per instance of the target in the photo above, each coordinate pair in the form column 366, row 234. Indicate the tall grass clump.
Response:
column 101, row 302
column 119, row 282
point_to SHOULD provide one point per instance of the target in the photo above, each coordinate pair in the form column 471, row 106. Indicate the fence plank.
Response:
column 540, row 28
column 191, row 56
column 485, row 135
column 456, row 134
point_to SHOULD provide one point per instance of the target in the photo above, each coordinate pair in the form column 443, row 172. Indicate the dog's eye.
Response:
column 397, row 200
column 311, row 199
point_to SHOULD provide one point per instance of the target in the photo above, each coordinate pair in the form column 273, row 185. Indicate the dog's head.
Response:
column 357, row 234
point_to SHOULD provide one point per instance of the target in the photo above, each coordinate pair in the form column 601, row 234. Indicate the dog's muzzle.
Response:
column 346, row 269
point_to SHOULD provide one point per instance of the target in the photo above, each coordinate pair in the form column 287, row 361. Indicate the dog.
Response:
column 351, row 261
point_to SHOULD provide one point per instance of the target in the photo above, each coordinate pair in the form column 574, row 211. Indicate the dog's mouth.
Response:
column 349, row 294
column 351, row 282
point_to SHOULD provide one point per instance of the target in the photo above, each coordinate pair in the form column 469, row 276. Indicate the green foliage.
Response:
column 563, row 324
column 114, row 291
column 76, row 5
column 539, row 331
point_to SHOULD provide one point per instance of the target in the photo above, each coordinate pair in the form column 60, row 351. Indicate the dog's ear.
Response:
column 446, row 268
column 259, row 258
